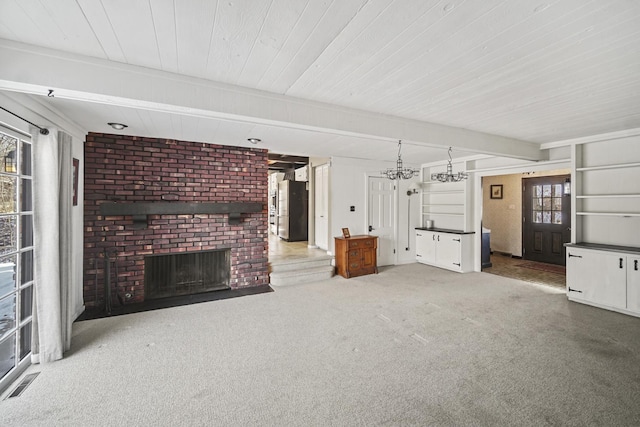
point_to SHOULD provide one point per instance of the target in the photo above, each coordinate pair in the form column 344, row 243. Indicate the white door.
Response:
column 382, row 217
column 322, row 206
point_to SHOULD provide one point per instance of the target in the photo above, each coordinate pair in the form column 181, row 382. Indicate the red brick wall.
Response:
column 135, row 169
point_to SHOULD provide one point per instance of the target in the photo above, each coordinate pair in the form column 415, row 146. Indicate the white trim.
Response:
column 592, row 138
column 527, row 166
column 126, row 85
column 5, row 127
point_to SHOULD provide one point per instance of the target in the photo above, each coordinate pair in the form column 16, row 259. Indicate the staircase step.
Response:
column 300, row 263
column 295, row 277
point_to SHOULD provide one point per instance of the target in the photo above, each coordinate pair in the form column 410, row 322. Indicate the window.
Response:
column 547, row 204
column 16, row 251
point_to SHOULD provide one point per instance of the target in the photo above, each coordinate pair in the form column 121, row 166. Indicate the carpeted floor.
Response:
column 413, row 345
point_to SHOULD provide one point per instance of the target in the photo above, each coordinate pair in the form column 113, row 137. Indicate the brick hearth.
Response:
column 128, row 169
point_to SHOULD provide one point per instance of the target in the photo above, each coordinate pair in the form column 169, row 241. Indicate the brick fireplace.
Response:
column 148, row 196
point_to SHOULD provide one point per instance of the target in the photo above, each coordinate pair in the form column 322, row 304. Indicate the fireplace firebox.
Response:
column 169, row 275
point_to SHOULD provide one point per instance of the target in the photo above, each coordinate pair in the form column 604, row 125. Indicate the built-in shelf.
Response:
column 623, row 214
column 444, row 213
column 443, row 204
column 443, row 191
column 607, row 196
column 607, row 167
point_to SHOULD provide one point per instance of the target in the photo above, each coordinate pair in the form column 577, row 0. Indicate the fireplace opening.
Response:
column 189, row 273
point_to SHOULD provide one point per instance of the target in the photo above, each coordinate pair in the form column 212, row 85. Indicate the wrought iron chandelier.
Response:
column 449, row 176
column 400, row 172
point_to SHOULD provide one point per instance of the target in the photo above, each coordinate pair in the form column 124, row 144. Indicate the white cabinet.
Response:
column 633, row 283
column 448, row 249
column 604, row 276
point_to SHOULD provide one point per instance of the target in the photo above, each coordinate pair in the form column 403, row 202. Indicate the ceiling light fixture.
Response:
column 117, row 126
column 400, row 172
column 254, row 140
column 449, row 176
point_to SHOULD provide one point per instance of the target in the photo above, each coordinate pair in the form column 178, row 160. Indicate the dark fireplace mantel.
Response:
column 140, row 210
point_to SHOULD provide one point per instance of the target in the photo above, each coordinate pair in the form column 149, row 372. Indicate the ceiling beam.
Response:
column 35, row 70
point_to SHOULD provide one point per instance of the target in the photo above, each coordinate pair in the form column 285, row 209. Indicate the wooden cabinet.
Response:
column 356, row 256
column 450, row 249
column 604, row 276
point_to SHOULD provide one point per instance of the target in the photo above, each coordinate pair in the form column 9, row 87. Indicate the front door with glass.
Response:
column 546, row 219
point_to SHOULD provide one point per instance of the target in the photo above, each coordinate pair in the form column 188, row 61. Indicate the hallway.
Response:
column 529, row 271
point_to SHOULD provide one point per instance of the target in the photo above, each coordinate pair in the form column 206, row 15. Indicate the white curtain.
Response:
column 52, row 201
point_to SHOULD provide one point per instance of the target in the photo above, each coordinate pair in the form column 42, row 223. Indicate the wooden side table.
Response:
column 356, row 255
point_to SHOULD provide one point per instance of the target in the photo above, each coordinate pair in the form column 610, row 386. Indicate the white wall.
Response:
column 348, row 183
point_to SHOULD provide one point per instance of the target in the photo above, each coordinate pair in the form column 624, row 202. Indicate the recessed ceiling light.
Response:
column 117, row 126
column 254, row 140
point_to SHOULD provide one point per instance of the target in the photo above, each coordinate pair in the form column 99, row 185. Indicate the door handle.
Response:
column 370, row 228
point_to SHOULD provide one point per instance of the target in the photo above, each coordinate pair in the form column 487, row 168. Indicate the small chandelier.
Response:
column 449, row 176
column 400, row 172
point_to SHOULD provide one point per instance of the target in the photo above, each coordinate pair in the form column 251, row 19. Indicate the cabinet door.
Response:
column 425, row 246
column 368, row 257
column 448, row 250
column 597, row 277
column 633, row 284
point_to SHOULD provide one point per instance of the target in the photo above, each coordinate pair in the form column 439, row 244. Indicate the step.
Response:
column 296, row 277
column 293, row 264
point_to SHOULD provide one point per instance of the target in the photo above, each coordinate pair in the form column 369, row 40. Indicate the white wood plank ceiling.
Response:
column 537, row 71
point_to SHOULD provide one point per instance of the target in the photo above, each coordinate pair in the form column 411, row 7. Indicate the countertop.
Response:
column 445, row 230
column 608, row 248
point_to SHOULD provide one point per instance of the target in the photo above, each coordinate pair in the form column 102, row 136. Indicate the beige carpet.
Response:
column 413, row 345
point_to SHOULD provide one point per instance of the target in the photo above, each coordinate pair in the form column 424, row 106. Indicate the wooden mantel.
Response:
column 140, row 210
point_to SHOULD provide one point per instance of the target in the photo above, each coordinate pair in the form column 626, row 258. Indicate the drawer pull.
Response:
column 574, row 290
column 456, row 240
column 574, row 256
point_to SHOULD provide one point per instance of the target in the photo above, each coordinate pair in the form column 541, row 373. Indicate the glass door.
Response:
column 16, row 253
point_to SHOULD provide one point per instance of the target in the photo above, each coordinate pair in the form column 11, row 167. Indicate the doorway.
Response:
column 546, row 210
column 381, row 217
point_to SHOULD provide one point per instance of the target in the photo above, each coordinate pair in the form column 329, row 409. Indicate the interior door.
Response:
column 321, row 214
column 546, row 219
column 381, row 217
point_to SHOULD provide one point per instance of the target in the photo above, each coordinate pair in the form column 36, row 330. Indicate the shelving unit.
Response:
column 602, row 261
column 444, row 203
column 607, row 192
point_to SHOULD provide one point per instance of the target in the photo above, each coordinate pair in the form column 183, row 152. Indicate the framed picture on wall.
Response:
column 76, row 171
column 496, row 191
